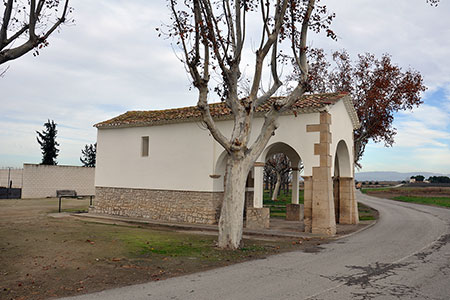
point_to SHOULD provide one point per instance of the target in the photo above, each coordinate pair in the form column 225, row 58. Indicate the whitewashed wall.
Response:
column 341, row 130
column 14, row 175
column 41, row 181
column 182, row 156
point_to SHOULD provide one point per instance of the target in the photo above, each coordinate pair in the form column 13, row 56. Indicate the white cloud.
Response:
column 416, row 134
column 435, row 159
column 430, row 116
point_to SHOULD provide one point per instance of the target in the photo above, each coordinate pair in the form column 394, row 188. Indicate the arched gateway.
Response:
column 165, row 165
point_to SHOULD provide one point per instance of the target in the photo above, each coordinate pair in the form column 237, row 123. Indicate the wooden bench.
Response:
column 71, row 194
column 66, row 193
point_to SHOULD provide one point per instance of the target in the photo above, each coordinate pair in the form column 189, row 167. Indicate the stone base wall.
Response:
column 258, row 218
column 164, row 205
column 294, row 212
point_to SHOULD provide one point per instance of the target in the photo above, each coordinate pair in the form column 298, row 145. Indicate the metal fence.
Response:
column 11, row 177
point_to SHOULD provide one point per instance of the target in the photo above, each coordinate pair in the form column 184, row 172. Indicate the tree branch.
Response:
column 33, row 40
column 5, row 23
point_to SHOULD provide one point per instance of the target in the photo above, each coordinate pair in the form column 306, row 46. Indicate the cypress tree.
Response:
column 47, row 140
column 88, row 155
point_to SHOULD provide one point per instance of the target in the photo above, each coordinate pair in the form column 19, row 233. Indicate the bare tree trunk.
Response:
column 232, row 213
column 277, row 188
column 271, row 188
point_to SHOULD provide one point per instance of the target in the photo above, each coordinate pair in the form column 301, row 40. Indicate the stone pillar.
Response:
column 295, row 186
column 294, row 212
column 258, row 182
column 349, row 206
column 323, row 215
column 307, row 200
column 346, row 205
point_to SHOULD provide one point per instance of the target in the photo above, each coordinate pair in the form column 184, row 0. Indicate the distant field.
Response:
column 438, row 201
column 438, row 196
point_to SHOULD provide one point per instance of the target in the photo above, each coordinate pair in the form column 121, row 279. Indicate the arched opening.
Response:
column 342, row 174
column 281, row 174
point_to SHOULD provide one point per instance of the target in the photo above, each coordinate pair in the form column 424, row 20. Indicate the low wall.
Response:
column 40, row 181
column 14, row 175
column 164, row 205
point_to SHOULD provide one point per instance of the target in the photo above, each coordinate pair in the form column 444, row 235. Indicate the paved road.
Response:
column 406, row 255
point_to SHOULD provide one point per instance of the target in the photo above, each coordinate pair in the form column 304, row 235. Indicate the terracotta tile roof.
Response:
column 306, row 104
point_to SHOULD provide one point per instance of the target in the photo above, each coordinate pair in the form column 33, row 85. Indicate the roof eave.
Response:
column 198, row 119
column 348, row 102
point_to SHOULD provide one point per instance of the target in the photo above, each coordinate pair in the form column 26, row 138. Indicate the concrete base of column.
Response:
column 258, row 218
column 294, row 212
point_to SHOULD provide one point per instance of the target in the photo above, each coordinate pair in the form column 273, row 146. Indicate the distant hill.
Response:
column 392, row 176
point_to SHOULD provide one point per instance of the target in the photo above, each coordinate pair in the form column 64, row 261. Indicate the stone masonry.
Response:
column 348, row 203
column 164, row 205
column 323, row 216
column 258, row 218
column 294, row 212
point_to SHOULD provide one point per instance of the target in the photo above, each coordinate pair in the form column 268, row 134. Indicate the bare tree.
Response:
column 29, row 23
column 212, row 36
column 379, row 89
column 280, row 166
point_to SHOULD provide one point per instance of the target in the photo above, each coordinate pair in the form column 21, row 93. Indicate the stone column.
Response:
column 307, row 200
column 293, row 209
column 258, row 185
column 346, row 205
column 258, row 217
column 323, row 215
column 349, row 205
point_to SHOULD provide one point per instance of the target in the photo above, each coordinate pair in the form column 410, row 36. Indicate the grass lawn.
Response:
column 366, row 213
column 438, row 201
column 278, row 207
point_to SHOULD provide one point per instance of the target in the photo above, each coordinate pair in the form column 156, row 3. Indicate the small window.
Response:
column 144, row 146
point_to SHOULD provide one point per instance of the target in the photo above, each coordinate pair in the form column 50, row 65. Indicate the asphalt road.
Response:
column 406, row 255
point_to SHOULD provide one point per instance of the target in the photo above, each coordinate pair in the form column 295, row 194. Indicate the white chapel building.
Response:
column 164, row 165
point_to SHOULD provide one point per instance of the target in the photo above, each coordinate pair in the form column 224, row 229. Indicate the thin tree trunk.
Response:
column 271, row 187
column 277, row 188
column 232, row 213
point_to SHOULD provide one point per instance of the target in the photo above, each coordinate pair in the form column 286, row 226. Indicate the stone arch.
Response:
column 281, row 147
column 343, row 165
column 293, row 210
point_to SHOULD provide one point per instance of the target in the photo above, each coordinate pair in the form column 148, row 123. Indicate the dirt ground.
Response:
column 45, row 257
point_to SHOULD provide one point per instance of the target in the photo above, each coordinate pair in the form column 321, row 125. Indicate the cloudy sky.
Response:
column 112, row 61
